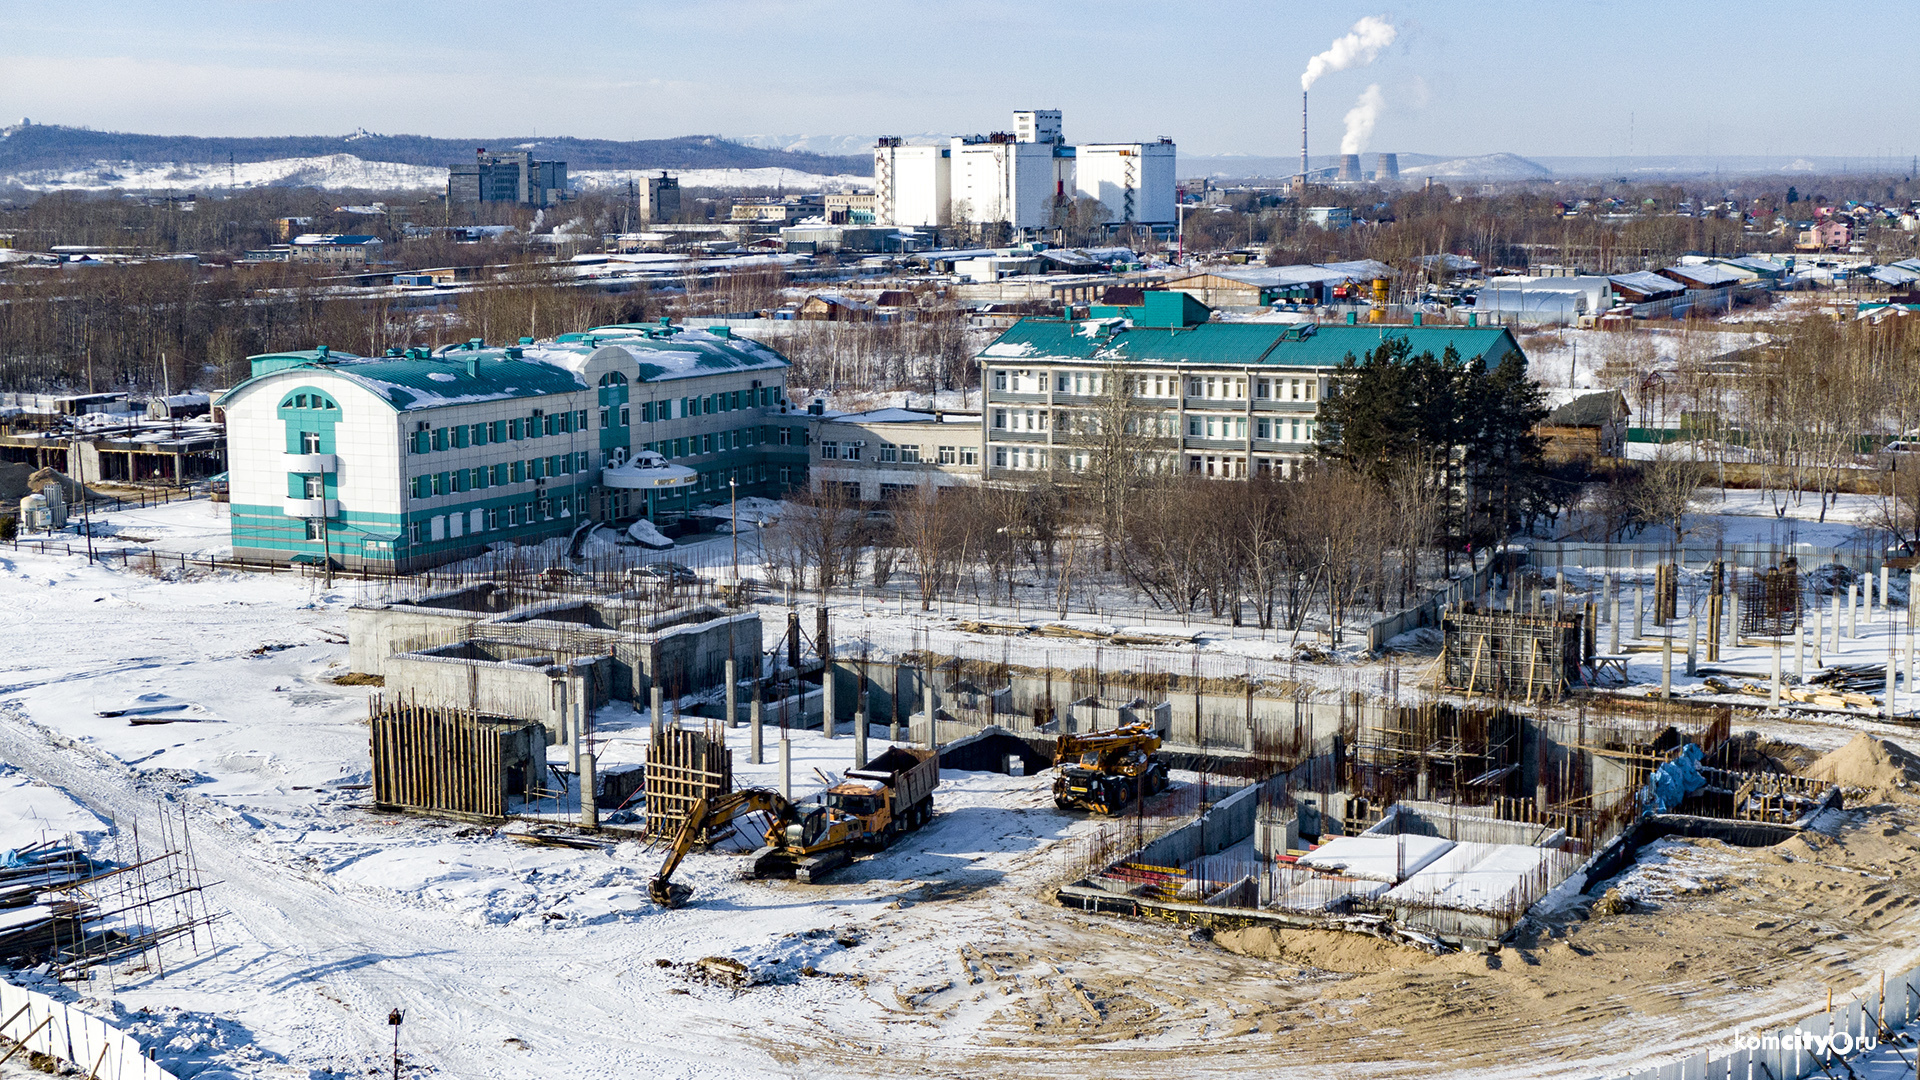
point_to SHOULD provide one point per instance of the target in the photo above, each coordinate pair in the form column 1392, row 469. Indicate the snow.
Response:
column 645, row 534
column 334, row 914
column 334, row 171
column 1472, row 876
column 1376, row 858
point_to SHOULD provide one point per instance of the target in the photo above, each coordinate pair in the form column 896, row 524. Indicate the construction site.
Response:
column 955, row 845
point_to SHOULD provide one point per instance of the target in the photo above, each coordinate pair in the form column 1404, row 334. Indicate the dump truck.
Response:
column 868, row 810
column 1103, row 771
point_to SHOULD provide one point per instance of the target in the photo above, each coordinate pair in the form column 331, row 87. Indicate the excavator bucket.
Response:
column 669, row 894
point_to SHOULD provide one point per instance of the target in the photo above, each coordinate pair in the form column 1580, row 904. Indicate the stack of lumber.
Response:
column 32, row 921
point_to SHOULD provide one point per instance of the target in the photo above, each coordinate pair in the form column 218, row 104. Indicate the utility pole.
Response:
column 393, row 1020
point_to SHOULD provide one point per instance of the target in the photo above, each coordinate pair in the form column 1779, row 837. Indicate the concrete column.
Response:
column 589, row 805
column 754, row 735
column 1639, row 612
column 1733, row 618
column 733, row 694
column 1693, row 643
column 1775, row 696
column 1819, row 635
column 1836, row 620
column 1800, row 653
column 1613, row 628
column 659, row 720
column 1910, row 664
column 1559, row 590
column 933, row 729
column 786, row 768
column 1666, row 665
column 1607, row 596
column 826, row 699
column 860, row 735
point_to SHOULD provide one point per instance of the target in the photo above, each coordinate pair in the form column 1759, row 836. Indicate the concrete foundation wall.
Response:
column 501, row 687
column 375, row 634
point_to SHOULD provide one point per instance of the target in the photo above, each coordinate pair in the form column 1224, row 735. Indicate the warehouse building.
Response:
column 1211, row 398
column 413, row 459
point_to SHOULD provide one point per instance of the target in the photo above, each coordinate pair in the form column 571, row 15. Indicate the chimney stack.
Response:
column 1303, row 136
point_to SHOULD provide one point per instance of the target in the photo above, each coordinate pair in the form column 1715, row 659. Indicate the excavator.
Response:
column 1102, row 771
column 869, row 809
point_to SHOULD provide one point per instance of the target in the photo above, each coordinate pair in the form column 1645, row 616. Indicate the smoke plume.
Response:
column 1361, row 118
column 1357, row 48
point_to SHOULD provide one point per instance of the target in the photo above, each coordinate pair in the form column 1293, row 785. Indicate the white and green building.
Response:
column 415, row 458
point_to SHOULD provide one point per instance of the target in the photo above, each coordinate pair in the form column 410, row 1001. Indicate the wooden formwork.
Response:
column 439, row 760
column 1512, row 654
column 683, row 767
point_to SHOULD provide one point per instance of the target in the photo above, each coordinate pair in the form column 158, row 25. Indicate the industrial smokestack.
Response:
column 1350, row 168
column 1303, row 135
column 1388, row 167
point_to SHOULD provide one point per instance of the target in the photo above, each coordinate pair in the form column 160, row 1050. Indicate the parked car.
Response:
column 661, row 577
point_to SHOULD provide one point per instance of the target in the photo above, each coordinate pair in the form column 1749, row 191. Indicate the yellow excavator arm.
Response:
column 709, row 814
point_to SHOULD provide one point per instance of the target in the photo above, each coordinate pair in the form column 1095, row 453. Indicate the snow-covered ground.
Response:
column 508, row 960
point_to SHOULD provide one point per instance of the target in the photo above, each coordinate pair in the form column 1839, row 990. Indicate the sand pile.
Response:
column 1326, row 950
column 68, row 485
column 1881, row 770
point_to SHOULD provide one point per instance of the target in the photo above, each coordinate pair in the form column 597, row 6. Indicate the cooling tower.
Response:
column 1350, row 167
column 1388, row 167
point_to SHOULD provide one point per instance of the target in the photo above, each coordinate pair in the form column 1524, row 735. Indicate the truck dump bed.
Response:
column 912, row 773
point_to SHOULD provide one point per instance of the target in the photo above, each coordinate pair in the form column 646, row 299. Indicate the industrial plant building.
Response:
column 1018, row 178
column 509, row 178
column 413, row 459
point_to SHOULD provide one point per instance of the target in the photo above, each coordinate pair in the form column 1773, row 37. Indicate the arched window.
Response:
column 613, row 378
column 307, row 401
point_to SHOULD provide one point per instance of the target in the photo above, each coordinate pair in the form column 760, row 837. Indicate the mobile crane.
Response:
column 1102, row 771
column 867, row 810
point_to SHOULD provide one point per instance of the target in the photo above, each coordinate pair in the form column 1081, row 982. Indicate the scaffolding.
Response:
column 684, row 766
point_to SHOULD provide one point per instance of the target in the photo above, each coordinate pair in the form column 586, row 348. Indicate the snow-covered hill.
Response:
column 338, row 171
column 1481, row 167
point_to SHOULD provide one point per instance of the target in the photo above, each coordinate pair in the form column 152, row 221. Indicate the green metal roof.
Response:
column 407, row 383
column 1058, row 341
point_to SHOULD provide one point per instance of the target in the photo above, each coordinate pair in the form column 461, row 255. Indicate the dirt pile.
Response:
column 1875, row 768
column 68, row 485
column 1326, row 950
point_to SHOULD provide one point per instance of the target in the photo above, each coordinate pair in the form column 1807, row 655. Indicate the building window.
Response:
column 889, row 452
column 999, row 457
column 829, row 450
column 513, row 514
column 418, row 530
column 1263, row 388
column 493, row 520
column 315, row 486
column 309, row 442
column 1193, row 463
column 786, row 436
column 946, row 455
column 706, row 443
column 969, row 456
column 1296, row 431
column 316, row 528
column 1000, row 419
column 626, row 416
column 437, row 484
column 1311, row 383
column 786, row 475
column 458, row 437
column 1193, row 426
column 910, row 454
column 603, row 419
column 439, row 438
column 853, row 451
column 1195, row 388
column 999, row 379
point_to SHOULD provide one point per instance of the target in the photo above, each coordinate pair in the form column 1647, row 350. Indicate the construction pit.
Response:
column 1693, row 938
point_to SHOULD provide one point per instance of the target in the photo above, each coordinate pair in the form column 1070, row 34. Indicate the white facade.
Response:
column 1037, row 125
column 1134, row 181
column 1011, row 182
column 912, row 185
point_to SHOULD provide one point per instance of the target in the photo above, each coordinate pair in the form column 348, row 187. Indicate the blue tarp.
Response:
column 1673, row 782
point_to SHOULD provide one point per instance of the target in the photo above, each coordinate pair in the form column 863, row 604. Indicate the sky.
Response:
column 1533, row 77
